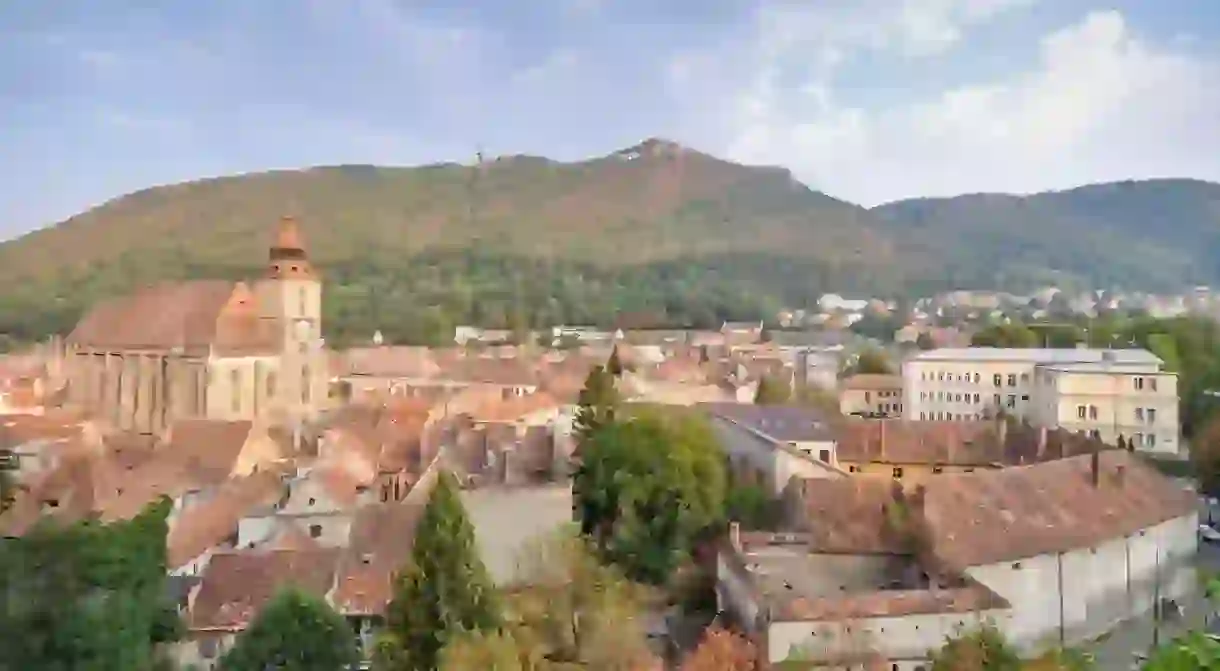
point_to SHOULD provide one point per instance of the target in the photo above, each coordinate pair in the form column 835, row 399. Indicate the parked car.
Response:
column 1209, row 534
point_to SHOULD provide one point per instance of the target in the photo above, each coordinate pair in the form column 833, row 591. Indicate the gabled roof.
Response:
column 236, row 585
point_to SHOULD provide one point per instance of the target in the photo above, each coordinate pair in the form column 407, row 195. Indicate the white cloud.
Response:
column 1099, row 104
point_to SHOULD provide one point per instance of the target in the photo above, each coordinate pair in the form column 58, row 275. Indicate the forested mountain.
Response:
column 655, row 229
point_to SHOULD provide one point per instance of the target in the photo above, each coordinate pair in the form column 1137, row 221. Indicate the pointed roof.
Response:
column 288, row 259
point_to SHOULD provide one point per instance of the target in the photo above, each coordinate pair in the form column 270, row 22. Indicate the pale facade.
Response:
column 1109, row 401
column 1107, row 393
column 206, row 349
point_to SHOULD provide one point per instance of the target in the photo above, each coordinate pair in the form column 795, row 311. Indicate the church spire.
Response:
column 288, row 259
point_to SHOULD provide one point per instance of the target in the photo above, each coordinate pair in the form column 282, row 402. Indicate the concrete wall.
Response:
column 1083, row 593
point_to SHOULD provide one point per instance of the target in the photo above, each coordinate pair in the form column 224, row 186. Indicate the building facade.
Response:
column 206, row 348
column 1105, row 393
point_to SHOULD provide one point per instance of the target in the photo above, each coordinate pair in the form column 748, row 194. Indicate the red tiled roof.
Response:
column 236, row 585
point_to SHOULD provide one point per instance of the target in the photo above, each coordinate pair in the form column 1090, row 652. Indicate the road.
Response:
column 1116, row 651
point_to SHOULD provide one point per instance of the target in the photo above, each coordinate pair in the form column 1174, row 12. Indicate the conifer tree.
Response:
column 294, row 632
column 443, row 592
column 614, row 365
column 597, row 404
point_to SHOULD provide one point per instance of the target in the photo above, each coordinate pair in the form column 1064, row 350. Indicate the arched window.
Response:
column 306, row 383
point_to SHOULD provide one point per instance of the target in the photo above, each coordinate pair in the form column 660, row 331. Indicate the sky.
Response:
column 867, row 100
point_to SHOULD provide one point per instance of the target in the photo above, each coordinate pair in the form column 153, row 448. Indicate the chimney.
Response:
column 1095, row 465
column 735, row 535
column 1042, row 444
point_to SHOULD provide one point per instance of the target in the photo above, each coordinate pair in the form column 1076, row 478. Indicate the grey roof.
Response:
column 509, row 520
column 1040, row 356
column 781, row 422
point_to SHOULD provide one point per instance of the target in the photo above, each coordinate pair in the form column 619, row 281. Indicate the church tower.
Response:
column 290, row 301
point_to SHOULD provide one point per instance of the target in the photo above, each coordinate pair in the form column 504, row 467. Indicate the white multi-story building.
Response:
column 1108, row 393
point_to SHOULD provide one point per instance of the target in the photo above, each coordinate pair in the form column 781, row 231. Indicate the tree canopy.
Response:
column 444, row 589
column 86, row 595
column 872, row 361
column 295, row 631
column 646, row 487
column 722, row 650
column 772, row 391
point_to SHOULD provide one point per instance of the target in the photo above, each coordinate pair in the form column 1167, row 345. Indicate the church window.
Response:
column 270, row 384
column 235, row 383
column 305, row 384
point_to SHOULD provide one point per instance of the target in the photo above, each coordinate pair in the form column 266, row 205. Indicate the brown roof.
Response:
column 161, row 316
column 1003, row 515
column 381, row 539
column 287, row 257
column 19, row 429
column 873, row 382
column 896, row 441
column 847, row 515
column 781, row 422
column 390, row 361
column 237, row 584
column 513, row 408
column 893, row 603
column 210, row 446
column 207, row 524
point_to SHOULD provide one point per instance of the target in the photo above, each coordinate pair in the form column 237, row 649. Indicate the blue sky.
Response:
column 868, row 100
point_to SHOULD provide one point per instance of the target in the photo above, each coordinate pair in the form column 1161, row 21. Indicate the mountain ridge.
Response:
column 703, row 227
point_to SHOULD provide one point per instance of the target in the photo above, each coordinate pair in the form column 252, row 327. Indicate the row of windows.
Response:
column 996, row 380
column 1147, row 415
column 949, row 417
column 1142, row 383
column 948, row 397
column 269, row 382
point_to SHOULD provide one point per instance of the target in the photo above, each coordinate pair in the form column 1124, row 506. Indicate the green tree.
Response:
column 772, row 391
column 295, row 631
column 86, row 595
column 982, row 649
column 1013, row 335
column 597, row 404
column 489, row 651
column 1192, row 651
column 444, row 589
column 872, row 361
column 925, row 341
column 647, row 487
column 1205, row 456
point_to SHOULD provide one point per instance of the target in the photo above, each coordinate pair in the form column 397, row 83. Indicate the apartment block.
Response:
column 1107, row 393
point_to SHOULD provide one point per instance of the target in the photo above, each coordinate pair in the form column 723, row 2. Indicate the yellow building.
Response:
column 207, row 349
column 1106, row 393
column 871, row 395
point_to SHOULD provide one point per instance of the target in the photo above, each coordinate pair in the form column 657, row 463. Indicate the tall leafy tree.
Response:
column 771, row 391
column 648, row 488
column 872, row 361
column 443, row 591
column 86, row 595
column 294, row 632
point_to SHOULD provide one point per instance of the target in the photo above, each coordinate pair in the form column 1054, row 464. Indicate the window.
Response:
column 270, row 384
column 1152, row 383
column 923, row 416
column 824, row 455
column 868, row 397
column 1024, row 378
column 898, row 472
column 976, row 378
column 1151, row 412
column 301, row 299
column 235, row 388
column 1012, row 400
column 1138, row 382
column 1092, row 412
column 1012, row 379
column 998, row 380
column 1137, row 439
column 1024, row 397
column 1139, row 414
column 305, row 385
column 958, row 398
column 312, row 501
column 996, row 400
column 851, row 469
column 315, row 530
column 938, row 469
column 1016, row 566
column 1150, row 440
column 1081, row 411
column 940, row 376
column 969, row 470
column 976, row 398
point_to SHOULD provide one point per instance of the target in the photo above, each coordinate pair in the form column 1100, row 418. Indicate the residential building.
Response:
column 871, row 395
column 1053, row 554
column 208, row 349
column 771, row 445
column 1106, row 393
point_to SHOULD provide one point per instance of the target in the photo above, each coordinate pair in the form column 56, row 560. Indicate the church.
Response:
column 206, row 349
